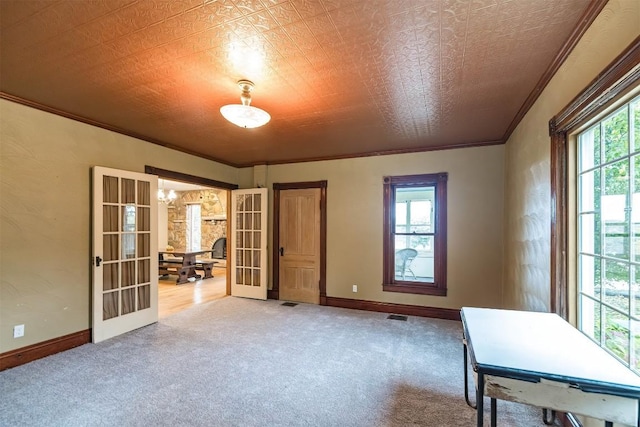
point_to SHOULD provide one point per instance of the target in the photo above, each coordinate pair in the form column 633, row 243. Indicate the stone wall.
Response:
column 213, row 203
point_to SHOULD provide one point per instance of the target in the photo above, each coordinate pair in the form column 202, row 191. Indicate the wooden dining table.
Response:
column 189, row 262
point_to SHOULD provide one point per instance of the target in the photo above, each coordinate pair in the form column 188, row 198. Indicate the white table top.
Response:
column 532, row 345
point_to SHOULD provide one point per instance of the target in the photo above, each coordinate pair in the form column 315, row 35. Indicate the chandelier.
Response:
column 244, row 115
column 168, row 198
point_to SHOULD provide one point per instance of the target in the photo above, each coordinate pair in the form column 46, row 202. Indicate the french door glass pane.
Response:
column 110, row 276
column 144, row 271
column 144, row 245
column 128, row 300
column 109, row 305
column 110, row 189
column 110, row 247
column 129, row 218
column 109, row 218
column 128, row 190
column 616, row 135
column 144, row 219
column 144, row 193
column 144, row 297
column 128, row 246
column 128, row 273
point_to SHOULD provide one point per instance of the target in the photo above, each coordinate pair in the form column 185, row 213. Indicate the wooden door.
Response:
column 125, row 252
column 249, row 243
column 300, row 245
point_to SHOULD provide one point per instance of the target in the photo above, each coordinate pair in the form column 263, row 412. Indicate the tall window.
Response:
column 608, row 209
column 415, row 235
column 194, row 229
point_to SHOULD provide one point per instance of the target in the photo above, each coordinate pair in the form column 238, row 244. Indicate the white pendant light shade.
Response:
column 244, row 115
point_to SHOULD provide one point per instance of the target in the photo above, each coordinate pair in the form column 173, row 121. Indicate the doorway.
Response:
column 299, row 236
column 192, row 216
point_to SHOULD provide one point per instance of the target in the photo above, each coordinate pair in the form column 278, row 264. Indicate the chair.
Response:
column 219, row 249
column 404, row 257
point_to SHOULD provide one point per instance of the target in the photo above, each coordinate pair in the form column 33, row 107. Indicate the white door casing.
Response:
column 249, row 243
column 124, row 252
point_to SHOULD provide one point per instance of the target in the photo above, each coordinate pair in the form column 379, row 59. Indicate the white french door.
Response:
column 125, row 252
column 249, row 243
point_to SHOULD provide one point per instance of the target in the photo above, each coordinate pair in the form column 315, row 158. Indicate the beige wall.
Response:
column 45, row 163
column 527, row 179
column 354, row 222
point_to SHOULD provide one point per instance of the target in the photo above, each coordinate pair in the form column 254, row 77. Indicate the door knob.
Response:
column 281, row 251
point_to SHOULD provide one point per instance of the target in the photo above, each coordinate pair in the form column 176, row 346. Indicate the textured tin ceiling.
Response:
column 339, row 77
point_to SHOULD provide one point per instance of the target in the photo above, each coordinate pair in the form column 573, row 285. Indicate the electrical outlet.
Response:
column 18, row 331
column 355, row 288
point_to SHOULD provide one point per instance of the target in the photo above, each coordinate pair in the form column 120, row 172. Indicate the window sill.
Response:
column 410, row 288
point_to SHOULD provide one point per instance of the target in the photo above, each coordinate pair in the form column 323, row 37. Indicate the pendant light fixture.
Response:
column 244, row 115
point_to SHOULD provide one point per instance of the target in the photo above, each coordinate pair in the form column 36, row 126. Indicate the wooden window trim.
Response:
column 439, row 286
column 615, row 81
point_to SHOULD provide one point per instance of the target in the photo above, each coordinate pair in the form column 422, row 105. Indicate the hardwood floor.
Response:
column 173, row 298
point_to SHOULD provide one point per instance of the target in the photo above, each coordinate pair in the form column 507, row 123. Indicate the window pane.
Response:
column 590, row 191
column 590, row 318
column 635, row 210
column 635, row 113
column 616, row 328
column 589, row 151
column 589, row 236
column 590, row 275
column 616, row 293
column 615, row 273
column 415, row 209
column 635, row 294
column 414, row 259
column 616, row 135
column 615, row 212
column 608, row 201
column 401, row 217
column 635, row 351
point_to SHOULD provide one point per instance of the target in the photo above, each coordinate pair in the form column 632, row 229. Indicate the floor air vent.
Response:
column 289, row 304
column 397, row 317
